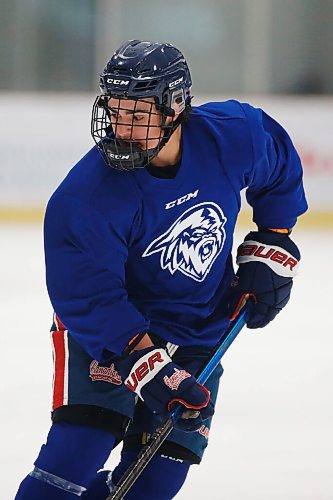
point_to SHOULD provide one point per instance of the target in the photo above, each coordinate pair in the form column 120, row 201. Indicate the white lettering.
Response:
column 170, row 205
column 172, row 458
column 116, row 81
column 193, row 195
column 119, row 157
column 181, row 200
column 175, row 82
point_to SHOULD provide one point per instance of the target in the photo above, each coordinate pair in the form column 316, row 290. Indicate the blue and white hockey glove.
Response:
column 268, row 262
column 160, row 383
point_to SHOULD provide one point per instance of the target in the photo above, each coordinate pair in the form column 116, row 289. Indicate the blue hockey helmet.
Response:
column 141, row 71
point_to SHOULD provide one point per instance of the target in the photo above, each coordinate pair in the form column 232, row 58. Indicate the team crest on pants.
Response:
column 105, row 373
column 193, row 242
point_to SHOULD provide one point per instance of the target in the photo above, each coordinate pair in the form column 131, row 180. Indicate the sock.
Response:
column 73, row 453
column 154, row 482
column 98, row 488
column 162, row 478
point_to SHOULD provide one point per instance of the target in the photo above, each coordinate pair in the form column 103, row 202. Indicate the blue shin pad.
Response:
column 162, row 478
column 67, row 463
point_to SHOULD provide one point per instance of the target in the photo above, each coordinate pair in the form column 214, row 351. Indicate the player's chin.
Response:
column 150, row 144
column 139, row 145
column 144, row 146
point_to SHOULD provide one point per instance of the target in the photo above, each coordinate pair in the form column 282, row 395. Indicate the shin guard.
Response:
column 67, row 463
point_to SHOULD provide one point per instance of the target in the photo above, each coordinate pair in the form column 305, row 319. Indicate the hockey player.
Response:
column 138, row 241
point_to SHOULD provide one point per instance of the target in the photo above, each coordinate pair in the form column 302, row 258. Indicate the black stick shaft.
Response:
column 142, row 460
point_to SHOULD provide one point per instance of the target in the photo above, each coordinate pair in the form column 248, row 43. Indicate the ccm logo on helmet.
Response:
column 116, row 81
column 175, row 82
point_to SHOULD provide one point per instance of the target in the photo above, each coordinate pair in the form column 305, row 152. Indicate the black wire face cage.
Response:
column 129, row 133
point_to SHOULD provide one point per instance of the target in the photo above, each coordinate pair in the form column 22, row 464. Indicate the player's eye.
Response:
column 137, row 118
column 113, row 114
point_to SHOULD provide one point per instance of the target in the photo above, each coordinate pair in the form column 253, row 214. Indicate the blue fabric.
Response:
column 72, row 452
column 272, row 292
column 33, row 489
column 126, row 251
column 98, row 488
column 154, row 482
column 86, row 384
column 161, row 479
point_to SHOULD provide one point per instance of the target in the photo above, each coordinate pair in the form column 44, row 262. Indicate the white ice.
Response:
column 272, row 436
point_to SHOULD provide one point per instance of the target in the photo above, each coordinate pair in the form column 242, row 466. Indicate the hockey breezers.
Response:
column 165, row 428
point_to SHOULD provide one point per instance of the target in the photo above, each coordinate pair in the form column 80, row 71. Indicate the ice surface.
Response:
column 272, row 436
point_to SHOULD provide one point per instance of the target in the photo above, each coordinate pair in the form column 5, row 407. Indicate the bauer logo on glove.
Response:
column 268, row 261
column 280, row 261
column 160, row 383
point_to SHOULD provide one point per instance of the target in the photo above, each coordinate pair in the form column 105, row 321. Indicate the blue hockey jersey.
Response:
column 127, row 252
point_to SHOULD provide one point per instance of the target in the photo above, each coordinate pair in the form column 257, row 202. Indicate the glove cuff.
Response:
column 202, row 404
column 277, row 258
column 272, row 238
column 146, row 368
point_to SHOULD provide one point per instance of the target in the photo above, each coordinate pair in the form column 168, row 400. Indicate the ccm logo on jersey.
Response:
column 116, row 81
column 145, row 369
column 280, row 261
column 175, row 82
column 182, row 199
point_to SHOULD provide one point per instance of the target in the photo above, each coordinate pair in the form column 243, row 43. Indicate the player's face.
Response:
column 138, row 122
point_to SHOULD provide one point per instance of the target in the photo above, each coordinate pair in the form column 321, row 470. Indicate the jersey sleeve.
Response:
column 85, row 258
column 275, row 187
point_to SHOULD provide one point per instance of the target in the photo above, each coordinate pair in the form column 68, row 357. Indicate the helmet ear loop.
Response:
column 169, row 129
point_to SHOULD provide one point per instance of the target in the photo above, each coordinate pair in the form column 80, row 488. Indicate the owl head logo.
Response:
column 193, row 242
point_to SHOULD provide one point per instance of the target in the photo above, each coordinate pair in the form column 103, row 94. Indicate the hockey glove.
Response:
column 268, row 261
column 160, row 383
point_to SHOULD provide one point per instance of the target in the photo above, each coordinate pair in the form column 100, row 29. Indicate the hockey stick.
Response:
column 164, row 429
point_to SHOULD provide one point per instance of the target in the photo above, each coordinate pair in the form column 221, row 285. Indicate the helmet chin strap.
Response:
column 127, row 156
column 165, row 139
